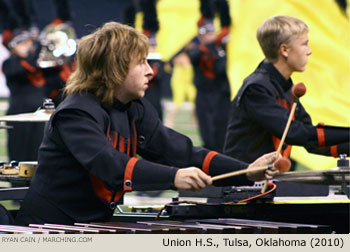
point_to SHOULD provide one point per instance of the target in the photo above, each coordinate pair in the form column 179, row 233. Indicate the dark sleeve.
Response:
column 207, row 8
column 86, row 141
column 220, row 59
column 63, row 10
column 323, row 131
column 262, row 108
column 324, row 134
column 194, row 53
column 224, row 12
column 207, row 58
column 13, row 68
column 150, row 18
column 166, row 146
column 334, row 150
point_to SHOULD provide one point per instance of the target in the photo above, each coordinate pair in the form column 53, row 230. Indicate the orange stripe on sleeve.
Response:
column 118, row 196
column 129, row 147
column 207, row 161
column 27, row 66
column 102, row 192
column 334, row 150
column 121, row 144
column 128, row 173
column 321, row 138
column 114, row 138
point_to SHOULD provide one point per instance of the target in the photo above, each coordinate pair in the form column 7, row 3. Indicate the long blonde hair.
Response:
column 103, row 59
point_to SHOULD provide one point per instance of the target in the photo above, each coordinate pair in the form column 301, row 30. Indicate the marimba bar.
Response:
column 270, row 227
column 9, row 229
column 74, row 229
column 194, row 226
column 139, row 228
column 203, row 228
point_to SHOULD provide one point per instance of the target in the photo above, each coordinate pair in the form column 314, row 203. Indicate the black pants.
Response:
column 212, row 113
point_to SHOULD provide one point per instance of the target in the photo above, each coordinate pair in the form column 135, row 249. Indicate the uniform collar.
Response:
column 120, row 106
column 285, row 84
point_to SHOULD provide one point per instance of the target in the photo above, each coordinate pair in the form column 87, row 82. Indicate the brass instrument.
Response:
column 58, row 45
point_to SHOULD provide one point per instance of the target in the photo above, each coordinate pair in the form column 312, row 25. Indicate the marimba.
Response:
column 322, row 214
column 193, row 226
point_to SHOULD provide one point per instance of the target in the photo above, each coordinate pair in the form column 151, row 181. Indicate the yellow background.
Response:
column 327, row 75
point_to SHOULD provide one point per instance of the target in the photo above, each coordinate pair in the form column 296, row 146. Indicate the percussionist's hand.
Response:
column 263, row 161
column 192, row 179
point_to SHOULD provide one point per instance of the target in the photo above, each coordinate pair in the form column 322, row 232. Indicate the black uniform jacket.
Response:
column 26, row 84
column 259, row 114
column 88, row 160
column 209, row 65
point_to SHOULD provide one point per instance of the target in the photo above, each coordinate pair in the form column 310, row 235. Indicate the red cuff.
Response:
column 224, row 32
column 103, row 192
column 334, row 151
column 321, row 138
column 207, row 161
column 128, row 174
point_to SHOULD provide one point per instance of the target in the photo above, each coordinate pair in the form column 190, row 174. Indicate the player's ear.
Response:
column 283, row 50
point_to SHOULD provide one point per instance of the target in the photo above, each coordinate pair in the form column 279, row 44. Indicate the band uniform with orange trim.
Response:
column 259, row 114
column 213, row 91
column 88, row 160
column 26, row 83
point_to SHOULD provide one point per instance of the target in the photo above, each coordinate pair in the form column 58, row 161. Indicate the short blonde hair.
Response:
column 103, row 59
column 279, row 30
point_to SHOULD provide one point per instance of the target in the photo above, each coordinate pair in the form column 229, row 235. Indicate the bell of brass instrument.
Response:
column 58, row 45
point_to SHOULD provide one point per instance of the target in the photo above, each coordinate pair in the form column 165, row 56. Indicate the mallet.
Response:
column 282, row 164
column 298, row 91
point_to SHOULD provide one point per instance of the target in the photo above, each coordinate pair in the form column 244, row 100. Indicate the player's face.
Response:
column 23, row 49
column 298, row 53
column 208, row 37
column 136, row 81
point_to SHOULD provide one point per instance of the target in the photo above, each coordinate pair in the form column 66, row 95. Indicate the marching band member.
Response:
column 260, row 110
column 87, row 160
column 25, row 81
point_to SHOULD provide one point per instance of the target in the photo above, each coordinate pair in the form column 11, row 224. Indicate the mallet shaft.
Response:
column 240, row 172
